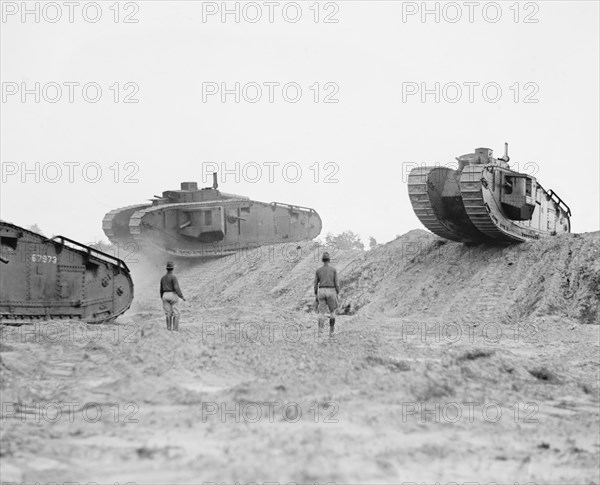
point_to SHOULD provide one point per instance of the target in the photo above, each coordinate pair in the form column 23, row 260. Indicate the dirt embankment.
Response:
column 416, row 274
column 419, row 273
column 453, row 364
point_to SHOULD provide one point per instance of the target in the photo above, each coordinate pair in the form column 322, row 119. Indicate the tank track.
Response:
column 107, row 221
column 471, row 188
column 419, row 198
column 18, row 320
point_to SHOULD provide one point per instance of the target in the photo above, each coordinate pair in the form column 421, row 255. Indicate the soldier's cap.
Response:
column 170, row 265
column 325, row 256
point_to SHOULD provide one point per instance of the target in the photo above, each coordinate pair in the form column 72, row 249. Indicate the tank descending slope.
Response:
column 194, row 222
column 58, row 278
column 485, row 201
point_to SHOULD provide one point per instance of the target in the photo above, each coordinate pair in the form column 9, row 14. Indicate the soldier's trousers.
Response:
column 170, row 302
column 328, row 303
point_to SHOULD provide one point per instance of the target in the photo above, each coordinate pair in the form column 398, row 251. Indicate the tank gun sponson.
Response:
column 484, row 200
column 192, row 222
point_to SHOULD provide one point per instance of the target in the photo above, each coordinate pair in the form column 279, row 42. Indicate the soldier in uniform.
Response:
column 170, row 294
column 327, row 290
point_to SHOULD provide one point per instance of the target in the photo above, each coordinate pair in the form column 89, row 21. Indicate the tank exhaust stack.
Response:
column 505, row 158
column 215, row 184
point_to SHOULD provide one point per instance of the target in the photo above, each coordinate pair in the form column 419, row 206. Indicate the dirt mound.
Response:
column 415, row 274
column 420, row 273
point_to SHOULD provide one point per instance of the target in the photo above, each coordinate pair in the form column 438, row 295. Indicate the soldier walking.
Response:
column 170, row 294
column 327, row 290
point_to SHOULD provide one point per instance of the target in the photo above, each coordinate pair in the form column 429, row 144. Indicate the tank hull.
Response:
column 194, row 223
column 58, row 278
column 484, row 195
column 235, row 224
column 483, row 203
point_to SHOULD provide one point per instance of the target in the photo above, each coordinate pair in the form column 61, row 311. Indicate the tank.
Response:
column 58, row 278
column 193, row 222
column 485, row 201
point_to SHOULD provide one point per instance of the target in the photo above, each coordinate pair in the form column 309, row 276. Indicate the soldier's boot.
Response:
column 169, row 322
column 331, row 326
column 176, row 323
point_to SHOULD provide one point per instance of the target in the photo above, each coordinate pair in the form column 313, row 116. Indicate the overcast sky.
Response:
column 523, row 73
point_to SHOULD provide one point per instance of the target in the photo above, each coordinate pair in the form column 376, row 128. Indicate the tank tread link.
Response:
column 58, row 278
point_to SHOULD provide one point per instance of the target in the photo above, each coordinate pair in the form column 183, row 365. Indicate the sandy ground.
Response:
column 452, row 364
